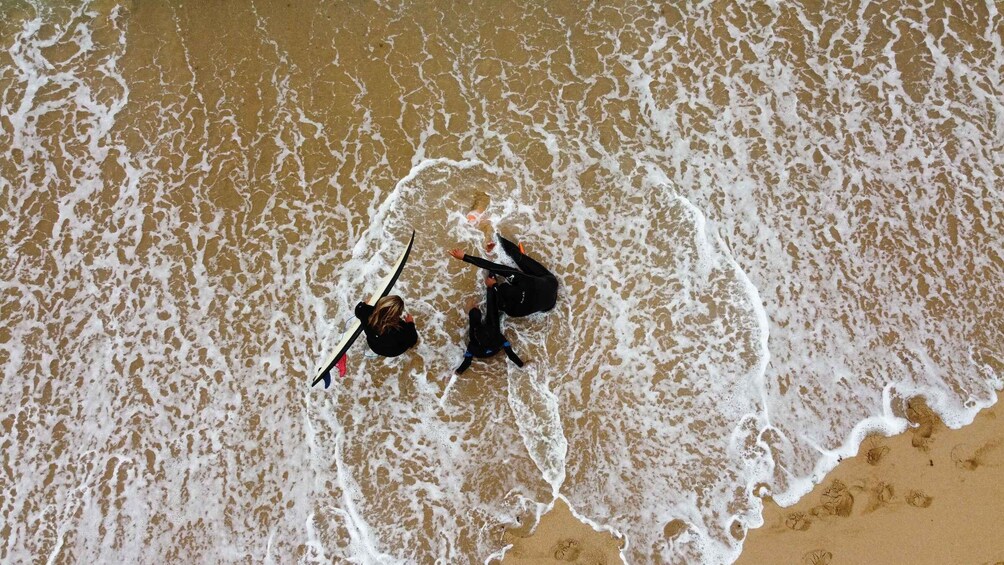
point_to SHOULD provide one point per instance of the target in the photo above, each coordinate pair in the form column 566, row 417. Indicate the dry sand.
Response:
column 930, row 495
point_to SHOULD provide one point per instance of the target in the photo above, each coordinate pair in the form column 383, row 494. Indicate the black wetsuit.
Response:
column 392, row 342
column 486, row 337
column 523, row 291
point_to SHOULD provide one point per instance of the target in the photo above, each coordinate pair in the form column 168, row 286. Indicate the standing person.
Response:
column 486, row 338
column 386, row 332
column 520, row 292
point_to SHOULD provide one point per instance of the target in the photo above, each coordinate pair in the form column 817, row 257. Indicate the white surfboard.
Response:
column 355, row 327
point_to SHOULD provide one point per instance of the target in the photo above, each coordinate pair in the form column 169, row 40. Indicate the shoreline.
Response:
column 559, row 536
column 930, row 494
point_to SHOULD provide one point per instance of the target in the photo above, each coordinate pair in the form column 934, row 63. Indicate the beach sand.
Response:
column 929, row 495
column 560, row 538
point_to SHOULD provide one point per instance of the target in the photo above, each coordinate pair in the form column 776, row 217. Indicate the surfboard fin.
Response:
column 326, row 377
column 341, row 368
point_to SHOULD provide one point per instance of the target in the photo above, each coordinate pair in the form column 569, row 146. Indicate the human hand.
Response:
column 457, row 254
column 489, row 281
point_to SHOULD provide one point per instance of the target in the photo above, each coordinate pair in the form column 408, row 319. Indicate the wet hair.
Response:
column 386, row 314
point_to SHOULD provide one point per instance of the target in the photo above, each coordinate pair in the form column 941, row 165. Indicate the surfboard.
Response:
column 355, row 327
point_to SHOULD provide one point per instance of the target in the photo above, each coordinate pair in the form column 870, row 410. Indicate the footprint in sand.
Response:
column 969, row 459
column 837, row 499
column 817, row 557
column 567, row 550
column 881, row 495
column 918, row 499
column 884, row 492
column 875, row 454
column 919, row 414
column 798, row 521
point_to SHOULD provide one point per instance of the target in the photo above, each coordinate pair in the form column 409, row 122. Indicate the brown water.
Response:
column 771, row 225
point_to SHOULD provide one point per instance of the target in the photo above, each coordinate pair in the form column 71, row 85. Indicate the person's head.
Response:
column 386, row 314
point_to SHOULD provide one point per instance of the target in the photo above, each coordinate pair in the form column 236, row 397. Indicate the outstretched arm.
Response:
column 512, row 354
column 467, row 363
column 488, row 265
column 483, row 263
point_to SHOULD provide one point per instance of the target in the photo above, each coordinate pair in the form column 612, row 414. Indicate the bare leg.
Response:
column 476, row 217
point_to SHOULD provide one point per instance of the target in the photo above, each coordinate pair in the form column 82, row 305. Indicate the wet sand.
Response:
column 929, row 495
column 560, row 538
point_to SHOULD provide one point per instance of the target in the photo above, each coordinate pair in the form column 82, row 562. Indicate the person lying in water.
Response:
column 386, row 332
column 486, row 338
column 520, row 292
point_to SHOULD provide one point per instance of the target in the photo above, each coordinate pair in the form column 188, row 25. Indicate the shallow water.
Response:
column 772, row 224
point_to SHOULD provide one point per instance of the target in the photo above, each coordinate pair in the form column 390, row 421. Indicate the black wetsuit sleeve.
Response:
column 411, row 332
column 529, row 265
column 512, row 354
column 486, row 264
column 524, row 261
column 467, row 363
